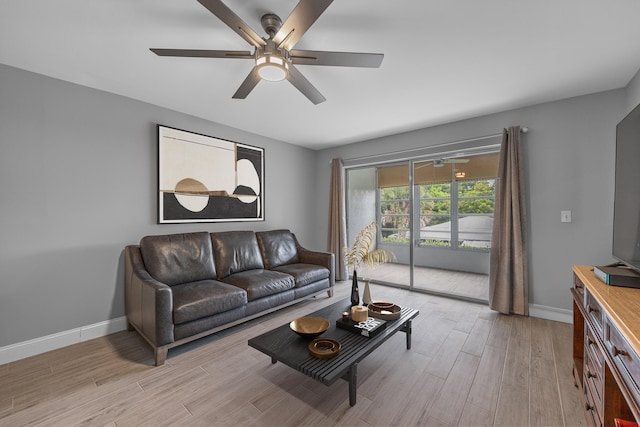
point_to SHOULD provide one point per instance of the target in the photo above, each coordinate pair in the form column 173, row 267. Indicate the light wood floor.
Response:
column 455, row 283
column 467, row 366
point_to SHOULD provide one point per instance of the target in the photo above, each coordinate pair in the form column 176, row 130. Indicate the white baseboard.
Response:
column 551, row 313
column 20, row 350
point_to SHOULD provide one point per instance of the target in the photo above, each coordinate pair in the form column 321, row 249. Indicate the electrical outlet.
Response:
column 565, row 216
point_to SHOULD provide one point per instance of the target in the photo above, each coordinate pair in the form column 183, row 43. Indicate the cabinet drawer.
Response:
column 594, row 378
column 591, row 346
column 625, row 359
column 593, row 418
column 594, row 311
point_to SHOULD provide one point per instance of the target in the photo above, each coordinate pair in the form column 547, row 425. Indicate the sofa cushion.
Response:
column 278, row 247
column 235, row 251
column 195, row 300
column 304, row 273
column 260, row 283
column 178, row 258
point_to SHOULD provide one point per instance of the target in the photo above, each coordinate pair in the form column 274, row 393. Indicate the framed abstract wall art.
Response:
column 206, row 179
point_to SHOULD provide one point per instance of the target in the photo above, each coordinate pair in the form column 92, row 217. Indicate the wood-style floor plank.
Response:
column 451, row 399
column 483, row 396
column 478, row 336
column 562, row 338
column 391, row 393
column 545, row 401
column 513, row 402
column 467, row 366
column 445, row 358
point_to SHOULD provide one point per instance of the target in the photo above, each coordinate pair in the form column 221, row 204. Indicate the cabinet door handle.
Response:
column 590, row 341
column 618, row 352
column 590, row 375
column 591, row 309
column 588, row 407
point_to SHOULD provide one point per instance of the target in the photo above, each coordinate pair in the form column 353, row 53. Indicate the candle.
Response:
column 359, row 313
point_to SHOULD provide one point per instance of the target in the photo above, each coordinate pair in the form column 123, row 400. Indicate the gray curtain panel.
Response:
column 508, row 272
column 337, row 235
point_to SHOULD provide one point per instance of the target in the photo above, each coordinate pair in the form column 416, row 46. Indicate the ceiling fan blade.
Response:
column 233, row 21
column 456, row 160
column 342, row 59
column 303, row 16
column 247, row 85
column 303, row 85
column 199, row 53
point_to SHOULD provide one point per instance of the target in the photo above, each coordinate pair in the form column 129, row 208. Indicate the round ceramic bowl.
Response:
column 324, row 348
column 381, row 305
column 391, row 313
column 309, row 327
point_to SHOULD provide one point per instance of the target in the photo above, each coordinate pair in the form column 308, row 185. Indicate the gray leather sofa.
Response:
column 180, row 287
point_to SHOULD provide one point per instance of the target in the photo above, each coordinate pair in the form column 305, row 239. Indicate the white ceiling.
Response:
column 445, row 60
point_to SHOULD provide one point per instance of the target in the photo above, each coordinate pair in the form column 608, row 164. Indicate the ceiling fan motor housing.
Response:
column 271, row 23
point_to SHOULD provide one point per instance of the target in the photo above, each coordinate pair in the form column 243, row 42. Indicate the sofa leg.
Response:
column 330, row 292
column 161, row 355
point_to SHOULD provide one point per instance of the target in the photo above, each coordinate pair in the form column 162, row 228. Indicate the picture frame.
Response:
column 207, row 179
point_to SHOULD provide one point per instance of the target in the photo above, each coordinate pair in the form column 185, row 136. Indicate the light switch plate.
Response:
column 565, row 216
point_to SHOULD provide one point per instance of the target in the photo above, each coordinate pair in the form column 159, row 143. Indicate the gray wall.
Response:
column 78, row 183
column 633, row 92
column 569, row 160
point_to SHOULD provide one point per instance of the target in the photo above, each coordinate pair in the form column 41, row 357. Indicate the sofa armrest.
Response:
column 148, row 302
column 325, row 259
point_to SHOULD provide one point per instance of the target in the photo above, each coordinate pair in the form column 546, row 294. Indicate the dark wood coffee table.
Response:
column 284, row 345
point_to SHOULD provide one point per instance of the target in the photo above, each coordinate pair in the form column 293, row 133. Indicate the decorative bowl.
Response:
column 381, row 305
column 386, row 313
column 309, row 327
column 324, row 348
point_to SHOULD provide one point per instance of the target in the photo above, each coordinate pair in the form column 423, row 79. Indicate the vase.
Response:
column 355, row 292
column 366, row 295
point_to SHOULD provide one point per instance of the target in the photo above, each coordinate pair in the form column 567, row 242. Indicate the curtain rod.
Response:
column 523, row 129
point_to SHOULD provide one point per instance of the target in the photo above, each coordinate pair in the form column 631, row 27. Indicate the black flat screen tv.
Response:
column 626, row 209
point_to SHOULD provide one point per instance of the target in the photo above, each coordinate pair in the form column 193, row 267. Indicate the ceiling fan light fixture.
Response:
column 272, row 68
column 272, row 63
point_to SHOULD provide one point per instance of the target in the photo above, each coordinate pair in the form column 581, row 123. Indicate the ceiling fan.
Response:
column 274, row 56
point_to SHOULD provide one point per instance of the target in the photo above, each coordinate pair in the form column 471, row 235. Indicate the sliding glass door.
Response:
column 382, row 194
column 435, row 215
column 453, row 224
column 394, row 215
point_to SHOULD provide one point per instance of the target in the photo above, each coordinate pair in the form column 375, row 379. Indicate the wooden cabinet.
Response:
column 606, row 344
